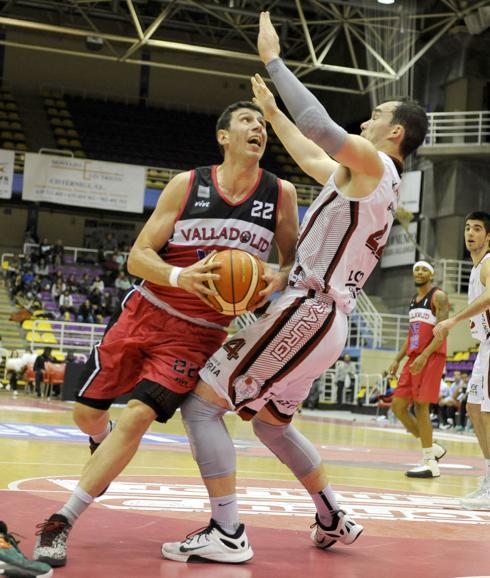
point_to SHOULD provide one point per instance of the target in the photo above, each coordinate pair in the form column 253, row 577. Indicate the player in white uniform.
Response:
column 477, row 240
column 265, row 371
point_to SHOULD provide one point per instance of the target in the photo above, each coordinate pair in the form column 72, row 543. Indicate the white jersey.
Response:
column 341, row 239
column 479, row 324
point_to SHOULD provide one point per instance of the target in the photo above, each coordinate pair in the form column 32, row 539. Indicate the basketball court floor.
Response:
column 412, row 527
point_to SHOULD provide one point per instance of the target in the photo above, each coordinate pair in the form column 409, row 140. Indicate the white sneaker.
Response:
column 342, row 529
column 211, row 543
column 479, row 500
column 439, row 451
column 427, row 469
column 484, row 484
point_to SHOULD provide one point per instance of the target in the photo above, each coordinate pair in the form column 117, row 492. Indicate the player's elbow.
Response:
column 132, row 262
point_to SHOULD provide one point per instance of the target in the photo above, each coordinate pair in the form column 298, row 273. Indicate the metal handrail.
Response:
column 69, row 335
column 75, row 250
column 454, row 275
column 458, row 128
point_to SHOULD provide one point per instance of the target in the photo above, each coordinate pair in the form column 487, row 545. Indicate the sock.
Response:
column 100, row 437
column 224, row 511
column 428, row 454
column 326, row 505
column 76, row 505
column 487, row 471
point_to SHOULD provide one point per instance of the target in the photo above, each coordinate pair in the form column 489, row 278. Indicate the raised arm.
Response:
column 311, row 158
column 351, row 151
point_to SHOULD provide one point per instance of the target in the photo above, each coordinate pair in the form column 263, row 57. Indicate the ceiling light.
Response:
column 386, row 1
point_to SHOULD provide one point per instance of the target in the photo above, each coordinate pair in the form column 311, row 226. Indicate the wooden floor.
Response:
column 412, row 527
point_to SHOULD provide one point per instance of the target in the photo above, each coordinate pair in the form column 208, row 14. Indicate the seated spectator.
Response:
column 58, row 253
column 97, row 284
column 119, row 258
column 447, row 405
column 27, row 276
column 107, row 308
column 65, row 302
column 96, row 297
column 84, row 284
column 86, row 312
column 461, row 394
column 57, row 288
column 111, row 268
column 72, row 283
column 122, row 284
column 41, row 268
column 16, row 287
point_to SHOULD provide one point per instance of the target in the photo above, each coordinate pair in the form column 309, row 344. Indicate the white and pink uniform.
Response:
column 479, row 386
column 303, row 332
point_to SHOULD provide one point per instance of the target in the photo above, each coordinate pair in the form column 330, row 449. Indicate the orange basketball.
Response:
column 239, row 284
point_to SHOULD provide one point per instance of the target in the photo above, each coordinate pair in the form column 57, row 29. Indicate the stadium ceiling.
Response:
column 334, row 45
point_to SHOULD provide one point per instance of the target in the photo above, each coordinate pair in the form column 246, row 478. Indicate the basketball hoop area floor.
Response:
column 413, row 528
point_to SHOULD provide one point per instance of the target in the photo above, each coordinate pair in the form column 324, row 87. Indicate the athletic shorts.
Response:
column 478, row 387
column 145, row 343
column 424, row 386
column 274, row 361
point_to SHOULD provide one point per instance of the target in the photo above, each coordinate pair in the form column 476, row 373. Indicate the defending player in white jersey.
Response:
column 266, row 370
column 477, row 240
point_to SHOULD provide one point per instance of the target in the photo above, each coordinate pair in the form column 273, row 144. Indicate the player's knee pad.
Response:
column 289, row 445
column 210, row 441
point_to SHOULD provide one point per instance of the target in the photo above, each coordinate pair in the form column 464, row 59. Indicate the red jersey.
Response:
column 208, row 221
column 422, row 320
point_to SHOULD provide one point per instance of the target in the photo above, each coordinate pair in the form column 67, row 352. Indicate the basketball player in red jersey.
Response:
column 420, row 379
column 166, row 330
column 267, row 369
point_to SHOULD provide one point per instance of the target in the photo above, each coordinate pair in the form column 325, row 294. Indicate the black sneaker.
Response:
column 52, row 537
column 13, row 563
column 93, row 445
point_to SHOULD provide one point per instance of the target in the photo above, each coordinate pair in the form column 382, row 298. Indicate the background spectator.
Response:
column 345, row 373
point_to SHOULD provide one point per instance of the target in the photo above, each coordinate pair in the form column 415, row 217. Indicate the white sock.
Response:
column 428, row 454
column 100, row 437
column 487, row 471
column 224, row 511
column 76, row 505
column 326, row 504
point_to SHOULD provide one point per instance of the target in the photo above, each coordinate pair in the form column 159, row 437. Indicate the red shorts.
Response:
column 423, row 386
column 147, row 343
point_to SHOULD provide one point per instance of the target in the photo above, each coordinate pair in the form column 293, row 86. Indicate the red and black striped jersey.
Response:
column 208, row 221
column 341, row 239
column 422, row 319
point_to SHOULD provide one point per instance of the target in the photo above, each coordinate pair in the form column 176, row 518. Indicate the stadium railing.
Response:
column 65, row 335
column 458, row 128
column 454, row 275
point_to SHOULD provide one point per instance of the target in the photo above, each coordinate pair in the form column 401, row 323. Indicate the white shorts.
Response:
column 274, row 361
column 478, row 387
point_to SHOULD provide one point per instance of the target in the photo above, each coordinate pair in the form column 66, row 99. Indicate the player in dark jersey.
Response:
column 420, row 379
column 166, row 330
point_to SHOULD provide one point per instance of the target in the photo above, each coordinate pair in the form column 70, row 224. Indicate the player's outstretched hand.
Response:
column 263, row 96
column 443, row 328
column 194, row 278
column 268, row 40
